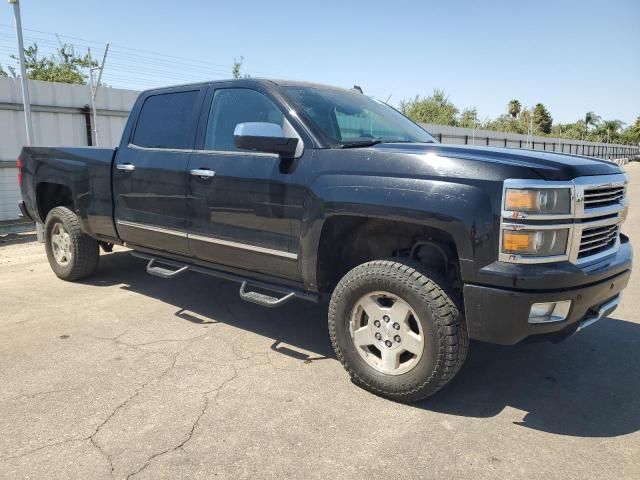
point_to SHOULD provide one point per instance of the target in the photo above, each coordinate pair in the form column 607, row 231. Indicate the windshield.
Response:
column 351, row 118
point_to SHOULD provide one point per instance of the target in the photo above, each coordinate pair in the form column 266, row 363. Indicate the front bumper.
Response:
column 501, row 315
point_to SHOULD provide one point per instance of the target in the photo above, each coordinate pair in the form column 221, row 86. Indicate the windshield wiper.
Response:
column 361, row 143
column 374, row 141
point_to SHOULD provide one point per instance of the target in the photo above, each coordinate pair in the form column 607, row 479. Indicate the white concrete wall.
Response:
column 9, row 193
column 57, row 121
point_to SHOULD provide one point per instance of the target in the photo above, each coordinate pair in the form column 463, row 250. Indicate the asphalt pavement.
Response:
column 130, row 376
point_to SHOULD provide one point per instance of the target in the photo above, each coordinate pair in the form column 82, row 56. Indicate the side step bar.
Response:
column 164, row 272
column 262, row 299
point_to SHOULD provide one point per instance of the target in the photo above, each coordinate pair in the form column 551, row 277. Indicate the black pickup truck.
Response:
column 298, row 190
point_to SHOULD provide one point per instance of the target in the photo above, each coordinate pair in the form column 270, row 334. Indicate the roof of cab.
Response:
column 278, row 82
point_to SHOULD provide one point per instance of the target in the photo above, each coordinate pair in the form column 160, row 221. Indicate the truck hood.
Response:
column 549, row 166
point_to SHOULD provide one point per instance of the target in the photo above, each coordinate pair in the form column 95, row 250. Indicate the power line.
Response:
column 126, row 70
column 127, row 59
column 128, row 67
column 184, row 60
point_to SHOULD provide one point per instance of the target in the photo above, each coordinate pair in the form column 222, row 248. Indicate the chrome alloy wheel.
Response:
column 61, row 244
column 386, row 333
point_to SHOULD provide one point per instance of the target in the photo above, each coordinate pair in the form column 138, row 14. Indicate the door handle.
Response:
column 125, row 167
column 202, row 172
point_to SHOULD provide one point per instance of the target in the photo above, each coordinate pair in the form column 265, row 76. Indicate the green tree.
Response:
column 542, row 118
column 10, row 73
column 436, row 108
column 590, row 119
column 236, row 68
column 632, row 133
column 504, row 123
column 610, row 130
column 469, row 118
column 523, row 120
column 514, row 107
column 573, row 131
column 64, row 66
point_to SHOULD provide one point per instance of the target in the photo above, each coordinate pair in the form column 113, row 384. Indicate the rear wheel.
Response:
column 397, row 329
column 72, row 254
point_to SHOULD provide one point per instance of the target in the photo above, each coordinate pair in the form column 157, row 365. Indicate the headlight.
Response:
column 539, row 243
column 546, row 201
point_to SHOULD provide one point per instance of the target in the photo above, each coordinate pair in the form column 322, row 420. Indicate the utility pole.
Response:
column 26, row 100
column 473, row 132
column 94, row 91
column 23, row 72
column 93, row 102
column 104, row 59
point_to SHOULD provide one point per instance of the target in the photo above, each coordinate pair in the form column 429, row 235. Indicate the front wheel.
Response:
column 72, row 253
column 396, row 329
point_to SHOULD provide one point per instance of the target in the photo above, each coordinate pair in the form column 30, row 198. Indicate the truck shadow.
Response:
column 588, row 386
column 299, row 329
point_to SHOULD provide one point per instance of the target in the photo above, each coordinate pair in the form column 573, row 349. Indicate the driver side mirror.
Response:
column 264, row 137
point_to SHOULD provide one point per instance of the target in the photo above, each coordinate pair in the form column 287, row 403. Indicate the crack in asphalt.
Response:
column 42, row 447
column 194, row 426
column 207, row 400
column 91, row 437
column 157, row 380
column 45, row 392
column 117, row 340
column 105, row 454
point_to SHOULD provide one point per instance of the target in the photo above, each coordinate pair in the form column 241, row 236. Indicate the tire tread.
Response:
column 443, row 305
column 86, row 251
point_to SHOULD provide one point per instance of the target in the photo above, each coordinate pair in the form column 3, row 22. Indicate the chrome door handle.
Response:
column 126, row 167
column 202, row 173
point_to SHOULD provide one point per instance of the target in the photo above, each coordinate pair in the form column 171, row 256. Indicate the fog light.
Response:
column 549, row 311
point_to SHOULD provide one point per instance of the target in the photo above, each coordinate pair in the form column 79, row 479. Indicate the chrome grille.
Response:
column 598, row 239
column 599, row 208
column 603, row 196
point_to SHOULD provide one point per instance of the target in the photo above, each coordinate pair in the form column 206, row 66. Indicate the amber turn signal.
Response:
column 535, row 242
column 518, row 242
column 521, row 200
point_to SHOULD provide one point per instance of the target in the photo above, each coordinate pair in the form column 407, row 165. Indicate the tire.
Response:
column 82, row 252
column 433, row 316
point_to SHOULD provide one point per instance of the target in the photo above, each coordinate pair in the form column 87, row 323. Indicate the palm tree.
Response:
column 590, row 118
column 514, row 108
column 611, row 127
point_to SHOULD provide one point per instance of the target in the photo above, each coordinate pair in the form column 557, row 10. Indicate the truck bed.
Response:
column 86, row 171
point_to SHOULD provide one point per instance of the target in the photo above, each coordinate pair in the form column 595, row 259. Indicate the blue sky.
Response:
column 573, row 56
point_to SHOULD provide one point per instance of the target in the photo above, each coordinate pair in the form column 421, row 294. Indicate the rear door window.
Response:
column 168, row 120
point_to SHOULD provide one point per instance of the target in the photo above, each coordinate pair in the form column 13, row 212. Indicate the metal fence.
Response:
column 469, row 136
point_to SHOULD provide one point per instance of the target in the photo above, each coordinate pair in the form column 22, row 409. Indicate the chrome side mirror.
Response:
column 264, row 137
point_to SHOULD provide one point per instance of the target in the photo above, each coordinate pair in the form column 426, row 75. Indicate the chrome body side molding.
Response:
column 202, row 238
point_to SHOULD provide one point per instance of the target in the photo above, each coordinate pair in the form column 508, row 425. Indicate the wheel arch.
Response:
column 347, row 241
column 463, row 213
column 50, row 195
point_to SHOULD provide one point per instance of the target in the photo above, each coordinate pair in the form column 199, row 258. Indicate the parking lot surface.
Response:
column 129, row 376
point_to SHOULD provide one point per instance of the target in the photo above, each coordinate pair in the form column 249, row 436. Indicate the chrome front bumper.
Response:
column 604, row 310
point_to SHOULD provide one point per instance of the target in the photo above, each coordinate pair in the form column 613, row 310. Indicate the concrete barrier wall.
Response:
column 9, row 192
column 58, row 120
